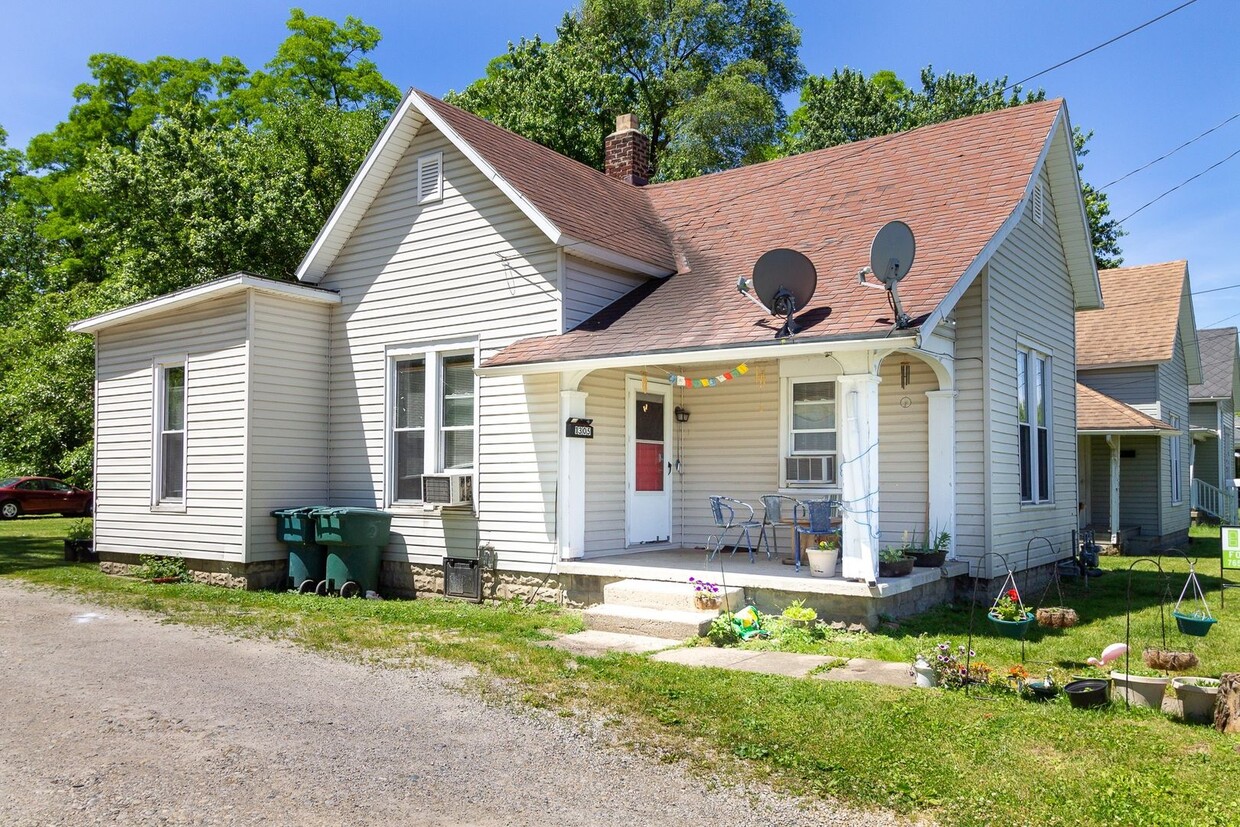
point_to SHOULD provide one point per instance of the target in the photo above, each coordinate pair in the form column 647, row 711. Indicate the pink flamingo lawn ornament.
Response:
column 1108, row 654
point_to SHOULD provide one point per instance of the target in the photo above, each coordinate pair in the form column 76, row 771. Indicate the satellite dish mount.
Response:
column 891, row 257
column 784, row 281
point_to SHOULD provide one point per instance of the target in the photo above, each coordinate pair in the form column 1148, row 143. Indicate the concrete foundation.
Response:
column 266, row 574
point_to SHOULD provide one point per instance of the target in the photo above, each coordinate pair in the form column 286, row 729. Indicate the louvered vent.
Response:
column 430, row 177
column 1037, row 200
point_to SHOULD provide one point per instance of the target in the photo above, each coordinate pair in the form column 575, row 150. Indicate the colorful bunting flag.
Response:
column 709, row 382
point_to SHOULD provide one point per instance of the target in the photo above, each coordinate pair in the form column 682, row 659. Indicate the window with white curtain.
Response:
column 1033, row 414
column 433, row 419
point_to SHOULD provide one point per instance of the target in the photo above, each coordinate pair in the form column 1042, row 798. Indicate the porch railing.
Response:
column 1215, row 502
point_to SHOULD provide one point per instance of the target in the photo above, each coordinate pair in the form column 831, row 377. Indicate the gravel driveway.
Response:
column 115, row 718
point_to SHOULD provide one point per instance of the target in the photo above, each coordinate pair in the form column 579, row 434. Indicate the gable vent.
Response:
column 430, row 177
column 1037, row 201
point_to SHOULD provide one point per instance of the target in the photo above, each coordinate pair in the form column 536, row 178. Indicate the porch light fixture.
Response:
column 681, row 414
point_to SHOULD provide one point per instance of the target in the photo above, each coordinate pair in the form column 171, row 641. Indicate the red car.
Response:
column 42, row 495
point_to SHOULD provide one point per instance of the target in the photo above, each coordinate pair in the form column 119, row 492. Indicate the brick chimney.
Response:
column 627, row 152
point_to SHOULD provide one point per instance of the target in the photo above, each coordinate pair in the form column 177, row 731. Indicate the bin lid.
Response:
column 342, row 510
column 296, row 510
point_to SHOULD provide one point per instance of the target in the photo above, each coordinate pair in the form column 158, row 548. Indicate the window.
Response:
column 1177, row 495
column 811, row 433
column 170, row 442
column 430, row 177
column 433, row 421
column 1033, row 397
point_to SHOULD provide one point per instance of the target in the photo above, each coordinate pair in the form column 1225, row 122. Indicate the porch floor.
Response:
column 679, row 564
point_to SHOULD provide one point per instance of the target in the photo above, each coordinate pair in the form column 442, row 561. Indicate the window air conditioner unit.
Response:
column 450, row 489
column 806, row 470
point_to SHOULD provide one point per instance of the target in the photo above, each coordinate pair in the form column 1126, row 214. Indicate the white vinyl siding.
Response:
column 589, row 287
column 1173, row 395
column 1135, row 386
column 287, row 452
column 904, row 450
column 972, row 440
column 1029, row 301
column 469, row 266
column 212, row 335
column 1140, row 457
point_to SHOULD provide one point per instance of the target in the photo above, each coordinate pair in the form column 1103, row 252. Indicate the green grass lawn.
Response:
column 961, row 760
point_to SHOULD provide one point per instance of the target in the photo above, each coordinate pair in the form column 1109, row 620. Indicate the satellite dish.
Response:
column 891, row 253
column 784, row 281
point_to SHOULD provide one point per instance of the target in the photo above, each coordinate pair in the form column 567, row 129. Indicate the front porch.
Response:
column 769, row 585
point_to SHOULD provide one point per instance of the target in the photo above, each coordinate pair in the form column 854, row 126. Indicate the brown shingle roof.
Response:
column 954, row 184
column 579, row 200
column 1218, row 363
column 1139, row 322
column 1099, row 412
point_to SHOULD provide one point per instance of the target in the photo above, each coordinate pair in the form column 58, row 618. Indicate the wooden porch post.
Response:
column 942, row 465
column 858, row 445
column 571, row 480
column 1113, row 442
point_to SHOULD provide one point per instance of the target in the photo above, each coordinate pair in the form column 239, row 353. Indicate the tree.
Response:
column 704, row 77
column 848, row 107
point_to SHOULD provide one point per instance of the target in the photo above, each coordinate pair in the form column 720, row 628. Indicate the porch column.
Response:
column 942, row 461
column 571, row 480
column 857, row 429
column 1113, row 442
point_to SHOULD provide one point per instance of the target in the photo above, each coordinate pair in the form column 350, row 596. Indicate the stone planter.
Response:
column 1140, row 690
column 1197, row 698
column 822, row 563
column 900, row 568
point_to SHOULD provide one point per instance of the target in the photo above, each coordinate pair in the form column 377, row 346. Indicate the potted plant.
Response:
column 1009, row 616
column 79, row 542
column 1196, row 623
column 934, row 553
column 1197, row 698
column 824, row 556
column 1057, row 617
column 1141, row 688
column 1087, row 693
column 798, row 614
column 894, row 562
column 1166, row 660
column 944, row 666
column 705, row 595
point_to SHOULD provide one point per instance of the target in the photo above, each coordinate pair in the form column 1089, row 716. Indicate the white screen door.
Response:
column 648, row 489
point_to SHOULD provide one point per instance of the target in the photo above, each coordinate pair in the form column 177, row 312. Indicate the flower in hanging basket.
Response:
column 1008, row 607
column 1168, row 661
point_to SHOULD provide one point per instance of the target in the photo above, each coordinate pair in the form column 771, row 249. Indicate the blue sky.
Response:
column 1142, row 96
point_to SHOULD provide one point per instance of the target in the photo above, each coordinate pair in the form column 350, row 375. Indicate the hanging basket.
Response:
column 1193, row 624
column 1057, row 617
column 1168, row 661
column 1014, row 629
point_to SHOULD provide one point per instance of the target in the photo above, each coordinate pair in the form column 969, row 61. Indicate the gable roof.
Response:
column 1220, row 365
column 960, row 185
column 1101, row 414
column 575, row 205
column 1145, row 307
column 235, row 283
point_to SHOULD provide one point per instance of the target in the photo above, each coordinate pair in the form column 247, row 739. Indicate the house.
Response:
column 1140, row 355
column 477, row 303
column 1212, row 418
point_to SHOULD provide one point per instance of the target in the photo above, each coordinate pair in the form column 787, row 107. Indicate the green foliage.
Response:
column 158, row 567
column 798, row 611
column 722, row 632
column 892, row 554
column 83, row 529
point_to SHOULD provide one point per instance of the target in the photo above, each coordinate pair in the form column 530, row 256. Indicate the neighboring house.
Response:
column 1140, row 353
column 473, row 292
column 1212, row 419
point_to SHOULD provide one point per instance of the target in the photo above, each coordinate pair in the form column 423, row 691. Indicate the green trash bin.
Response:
column 307, row 561
column 354, row 539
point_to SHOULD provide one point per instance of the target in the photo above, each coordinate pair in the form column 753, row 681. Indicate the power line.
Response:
column 1177, row 186
column 1169, row 154
column 1100, row 45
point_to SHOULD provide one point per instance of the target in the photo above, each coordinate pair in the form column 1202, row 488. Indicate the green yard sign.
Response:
column 1231, row 547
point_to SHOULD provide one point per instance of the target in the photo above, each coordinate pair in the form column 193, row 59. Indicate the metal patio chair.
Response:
column 819, row 514
column 773, row 505
column 723, row 510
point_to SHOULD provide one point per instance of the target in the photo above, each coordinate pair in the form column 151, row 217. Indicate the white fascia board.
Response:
column 235, row 283
column 1188, row 333
column 705, row 355
column 1145, row 363
column 531, row 212
column 312, row 268
column 593, row 252
column 1080, row 240
column 1127, row 432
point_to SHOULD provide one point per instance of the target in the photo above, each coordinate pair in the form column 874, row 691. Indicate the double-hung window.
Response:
column 169, row 476
column 1177, row 494
column 1033, row 401
column 811, row 433
column 433, row 421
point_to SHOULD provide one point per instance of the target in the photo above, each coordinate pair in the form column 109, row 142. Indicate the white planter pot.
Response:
column 822, row 563
column 1140, row 690
column 923, row 676
column 1196, row 700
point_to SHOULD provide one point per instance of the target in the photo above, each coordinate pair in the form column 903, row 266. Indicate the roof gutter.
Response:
column 773, row 350
column 1128, row 432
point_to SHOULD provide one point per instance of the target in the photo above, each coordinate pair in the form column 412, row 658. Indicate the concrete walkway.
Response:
column 865, row 670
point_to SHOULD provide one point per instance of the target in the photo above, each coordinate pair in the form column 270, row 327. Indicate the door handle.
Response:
column 669, row 468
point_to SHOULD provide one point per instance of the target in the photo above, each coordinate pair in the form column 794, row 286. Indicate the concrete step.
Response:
column 657, row 594
column 643, row 620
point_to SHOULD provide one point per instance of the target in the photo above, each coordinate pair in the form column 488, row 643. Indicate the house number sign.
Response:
column 577, row 428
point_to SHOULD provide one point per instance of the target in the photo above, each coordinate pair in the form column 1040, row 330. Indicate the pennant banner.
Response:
column 686, row 382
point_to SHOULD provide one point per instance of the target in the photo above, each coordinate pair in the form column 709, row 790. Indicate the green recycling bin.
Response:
column 354, row 539
column 307, row 562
